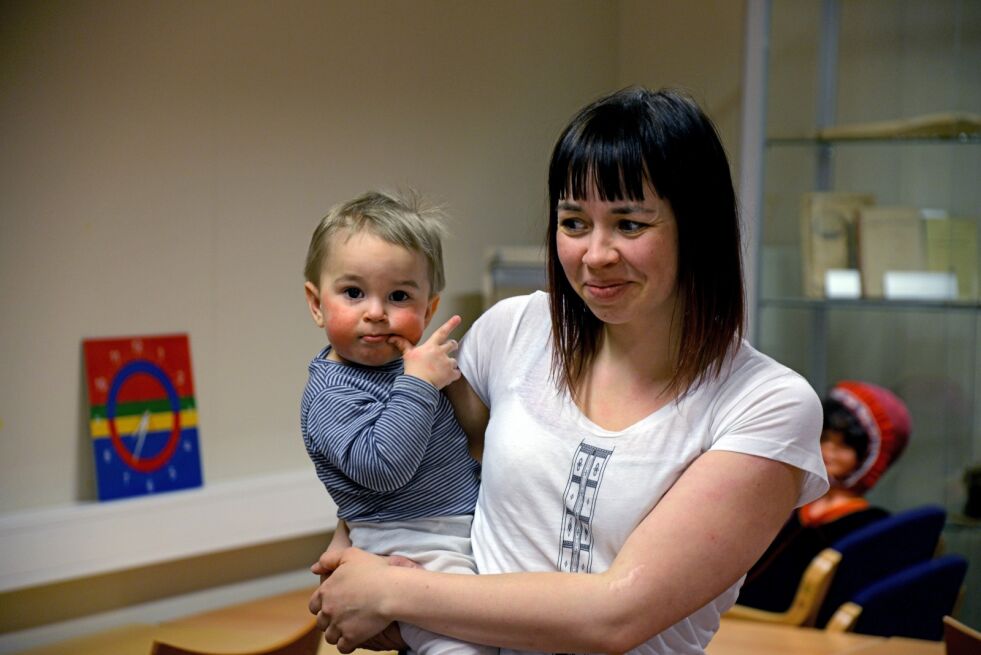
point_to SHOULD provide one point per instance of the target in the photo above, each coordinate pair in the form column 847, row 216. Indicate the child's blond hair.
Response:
column 401, row 219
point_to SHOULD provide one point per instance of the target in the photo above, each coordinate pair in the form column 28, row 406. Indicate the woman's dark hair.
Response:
column 839, row 418
column 617, row 144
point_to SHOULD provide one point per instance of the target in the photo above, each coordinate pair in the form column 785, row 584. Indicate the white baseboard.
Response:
column 57, row 544
column 158, row 611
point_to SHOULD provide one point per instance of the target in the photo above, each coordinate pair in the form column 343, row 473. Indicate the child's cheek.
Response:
column 340, row 331
column 410, row 326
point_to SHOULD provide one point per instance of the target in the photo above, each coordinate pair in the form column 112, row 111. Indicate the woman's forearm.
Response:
column 557, row 612
column 703, row 535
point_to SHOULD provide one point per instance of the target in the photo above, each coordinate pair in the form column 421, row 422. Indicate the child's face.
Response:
column 370, row 290
column 840, row 459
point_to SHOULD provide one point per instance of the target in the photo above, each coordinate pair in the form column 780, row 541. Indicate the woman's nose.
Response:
column 600, row 251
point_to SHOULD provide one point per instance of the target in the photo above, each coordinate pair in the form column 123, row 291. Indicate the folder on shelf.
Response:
column 828, row 222
column 952, row 247
column 890, row 239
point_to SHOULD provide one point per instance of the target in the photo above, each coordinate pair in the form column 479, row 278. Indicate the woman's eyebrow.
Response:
column 629, row 207
column 633, row 209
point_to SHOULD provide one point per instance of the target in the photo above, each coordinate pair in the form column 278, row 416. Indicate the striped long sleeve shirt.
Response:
column 386, row 445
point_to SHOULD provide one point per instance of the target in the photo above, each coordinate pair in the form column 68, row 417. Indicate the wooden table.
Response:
column 739, row 637
column 903, row 646
column 261, row 623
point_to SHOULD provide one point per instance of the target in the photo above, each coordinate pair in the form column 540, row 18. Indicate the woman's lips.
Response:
column 604, row 290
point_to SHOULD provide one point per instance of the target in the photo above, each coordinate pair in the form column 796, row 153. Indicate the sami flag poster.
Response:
column 142, row 416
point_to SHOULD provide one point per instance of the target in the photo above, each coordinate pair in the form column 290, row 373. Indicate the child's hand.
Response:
column 430, row 360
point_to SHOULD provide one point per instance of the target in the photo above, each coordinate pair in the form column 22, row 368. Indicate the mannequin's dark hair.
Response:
column 839, row 418
column 616, row 145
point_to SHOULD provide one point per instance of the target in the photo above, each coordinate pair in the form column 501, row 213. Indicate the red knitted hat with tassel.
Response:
column 886, row 422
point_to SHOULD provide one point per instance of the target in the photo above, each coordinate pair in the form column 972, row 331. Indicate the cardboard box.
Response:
column 952, row 246
column 890, row 239
column 828, row 222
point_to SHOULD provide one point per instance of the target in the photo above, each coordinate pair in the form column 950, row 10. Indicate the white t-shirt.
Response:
column 559, row 493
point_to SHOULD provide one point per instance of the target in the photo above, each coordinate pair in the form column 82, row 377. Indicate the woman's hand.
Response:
column 387, row 640
column 343, row 602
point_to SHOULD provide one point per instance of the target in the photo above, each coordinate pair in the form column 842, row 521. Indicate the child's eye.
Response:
column 353, row 293
column 399, row 296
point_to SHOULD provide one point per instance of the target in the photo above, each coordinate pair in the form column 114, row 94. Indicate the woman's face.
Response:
column 620, row 256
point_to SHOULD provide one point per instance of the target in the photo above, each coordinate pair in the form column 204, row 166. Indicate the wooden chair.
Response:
column 854, row 562
column 304, row 642
column 960, row 639
column 807, row 601
column 911, row 603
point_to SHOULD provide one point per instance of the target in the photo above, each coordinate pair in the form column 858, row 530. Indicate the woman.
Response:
column 630, row 432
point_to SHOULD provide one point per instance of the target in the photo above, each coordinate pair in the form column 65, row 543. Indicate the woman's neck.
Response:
column 648, row 349
column 630, row 376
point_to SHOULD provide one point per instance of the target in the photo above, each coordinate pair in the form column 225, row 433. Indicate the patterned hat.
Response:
column 886, row 421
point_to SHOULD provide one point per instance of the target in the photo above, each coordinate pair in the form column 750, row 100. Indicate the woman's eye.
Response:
column 571, row 225
column 400, row 296
column 353, row 292
column 631, row 227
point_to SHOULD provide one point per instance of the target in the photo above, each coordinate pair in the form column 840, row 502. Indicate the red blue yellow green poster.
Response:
column 142, row 415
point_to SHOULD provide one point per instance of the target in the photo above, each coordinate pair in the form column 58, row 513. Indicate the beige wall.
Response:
column 694, row 46
column 163, row 165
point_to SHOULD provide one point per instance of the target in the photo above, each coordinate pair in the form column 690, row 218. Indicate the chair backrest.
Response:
column 960, row 639
column 910, row 603
column 304, row 642
column 880, row 549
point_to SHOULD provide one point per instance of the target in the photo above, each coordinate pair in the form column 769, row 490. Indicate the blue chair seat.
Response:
column 909, row 603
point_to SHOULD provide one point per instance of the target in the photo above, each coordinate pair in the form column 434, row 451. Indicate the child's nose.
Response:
column 375, row 310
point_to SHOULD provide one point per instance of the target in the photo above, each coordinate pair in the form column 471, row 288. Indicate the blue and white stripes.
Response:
column 386, row 445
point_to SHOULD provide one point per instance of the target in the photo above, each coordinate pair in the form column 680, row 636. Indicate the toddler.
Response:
column 382, row 437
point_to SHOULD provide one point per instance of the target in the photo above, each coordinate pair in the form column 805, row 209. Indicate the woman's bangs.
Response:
column 614, row 168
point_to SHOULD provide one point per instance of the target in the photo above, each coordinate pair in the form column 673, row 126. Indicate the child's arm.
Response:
column 377, row 443
column 380, row 443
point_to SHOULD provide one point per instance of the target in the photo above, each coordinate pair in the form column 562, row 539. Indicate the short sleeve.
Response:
column 485, row 346
column 779, row 419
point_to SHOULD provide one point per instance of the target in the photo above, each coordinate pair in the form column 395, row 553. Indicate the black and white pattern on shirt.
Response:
column 581, row 491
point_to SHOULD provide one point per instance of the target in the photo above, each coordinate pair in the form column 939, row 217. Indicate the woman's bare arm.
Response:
column 471, row 413
column 700, row 538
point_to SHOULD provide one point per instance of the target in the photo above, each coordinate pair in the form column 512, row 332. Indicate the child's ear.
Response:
column 431, row 309
column 313, row 302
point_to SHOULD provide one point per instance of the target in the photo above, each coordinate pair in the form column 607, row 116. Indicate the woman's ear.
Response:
column 313, row 302
column 431, row 309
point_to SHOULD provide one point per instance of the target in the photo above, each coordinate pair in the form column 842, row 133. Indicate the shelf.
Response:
column 870, row 304
column 810, row 142
column 50, row 545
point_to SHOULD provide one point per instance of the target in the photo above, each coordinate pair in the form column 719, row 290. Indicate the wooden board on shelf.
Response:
column 951, row 124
